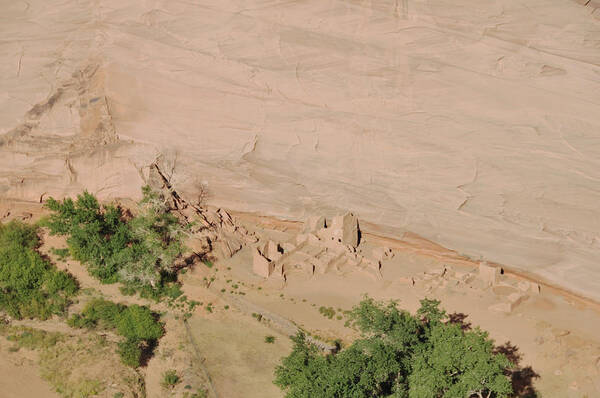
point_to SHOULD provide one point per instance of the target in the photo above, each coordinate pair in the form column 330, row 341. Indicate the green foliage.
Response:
column 137, row 324
column 30, row 287
column 130, row 352
column 269, row 339
column 139, row 252
column 98, row 313
column 33, row 338
column 170, row 379
column 62, row 254
column 458, row 364
column 399, row 355
column 430, row 312
column 328, row 312
column 95, row 235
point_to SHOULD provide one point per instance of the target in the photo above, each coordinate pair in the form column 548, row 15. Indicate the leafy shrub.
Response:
column 269, row 339
column 170, row 379
column 399, row 355
column 328, row 312
column 139, row 252
column 30, row 287
column 130, row 352
column 137, row 324
column 98, row 312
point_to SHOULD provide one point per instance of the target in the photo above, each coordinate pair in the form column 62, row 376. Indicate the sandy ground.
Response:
column 552, row 337
column 20, row 376
column 240, row 363
column 552, row 334
column 473, row 124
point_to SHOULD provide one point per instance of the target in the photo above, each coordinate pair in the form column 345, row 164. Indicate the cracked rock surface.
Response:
column 474, row 124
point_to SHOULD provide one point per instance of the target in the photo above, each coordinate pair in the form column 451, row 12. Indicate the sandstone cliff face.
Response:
column 473, row 123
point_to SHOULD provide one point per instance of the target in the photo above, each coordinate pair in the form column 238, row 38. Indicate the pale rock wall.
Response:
column 473, row 123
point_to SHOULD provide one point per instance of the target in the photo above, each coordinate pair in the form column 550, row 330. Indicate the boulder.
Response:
column 226, row 247
column 199, row 244
column 345, row 230
column 261, row 265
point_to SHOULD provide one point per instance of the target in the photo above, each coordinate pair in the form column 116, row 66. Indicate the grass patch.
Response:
column 76, row 367
column 170, row 379
column 62, row 254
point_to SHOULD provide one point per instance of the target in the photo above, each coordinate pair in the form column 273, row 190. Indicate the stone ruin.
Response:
column 324, row 247
column 213, row 230
column 320, row 248
column 509, row 291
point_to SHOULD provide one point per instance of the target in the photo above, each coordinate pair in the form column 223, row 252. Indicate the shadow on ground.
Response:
column 522, row 378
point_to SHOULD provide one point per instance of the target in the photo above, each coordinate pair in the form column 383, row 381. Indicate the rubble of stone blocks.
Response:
column 332, row 247
column 320, row 248
column 215, row 231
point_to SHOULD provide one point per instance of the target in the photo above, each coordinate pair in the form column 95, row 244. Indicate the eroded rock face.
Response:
column 474, row 126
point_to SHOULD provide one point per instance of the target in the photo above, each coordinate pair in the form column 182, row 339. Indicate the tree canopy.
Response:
column 30, row 286
column 398, row 355
column 139, row 251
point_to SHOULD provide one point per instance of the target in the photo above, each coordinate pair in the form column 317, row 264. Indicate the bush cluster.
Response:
column 328, row 312
column 138, row 252
column 399, row 355
column 30, row 286
column 137, row 324
column 170, row 379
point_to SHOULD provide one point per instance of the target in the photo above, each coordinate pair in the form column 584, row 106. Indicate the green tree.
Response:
column 458, row 364
column 399, row 355
column 137, row 322
column 130, row 351
column 30, row 286
column 139, row 252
